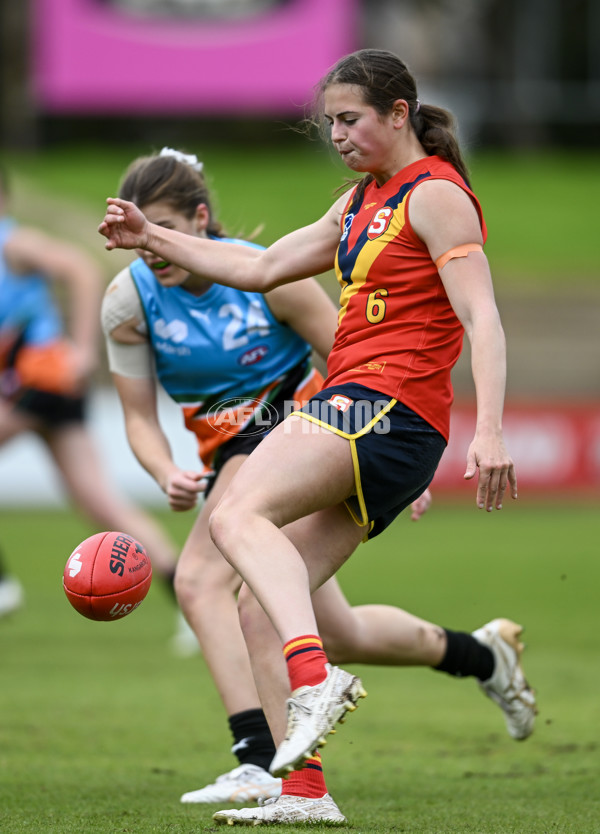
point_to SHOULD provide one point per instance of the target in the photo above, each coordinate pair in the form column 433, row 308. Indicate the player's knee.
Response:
column 199, row 579
column 221, row 526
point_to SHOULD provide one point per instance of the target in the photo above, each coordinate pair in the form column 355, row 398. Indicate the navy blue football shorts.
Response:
column 394, row 451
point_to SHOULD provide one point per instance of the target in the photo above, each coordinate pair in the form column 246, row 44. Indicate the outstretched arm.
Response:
column 300, row 254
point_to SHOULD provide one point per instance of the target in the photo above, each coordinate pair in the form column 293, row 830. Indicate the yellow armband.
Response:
column 458, row 252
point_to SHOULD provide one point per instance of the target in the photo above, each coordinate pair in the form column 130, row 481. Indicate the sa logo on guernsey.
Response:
column 380, row 222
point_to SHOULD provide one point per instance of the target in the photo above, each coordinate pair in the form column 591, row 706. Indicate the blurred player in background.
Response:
column 45, row 376
column 235, row 361
column 11, row 590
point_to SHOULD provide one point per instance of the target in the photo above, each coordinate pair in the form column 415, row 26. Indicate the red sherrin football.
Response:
column 107, row 576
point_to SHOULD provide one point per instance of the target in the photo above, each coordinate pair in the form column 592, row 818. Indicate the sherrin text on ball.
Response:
column 107, row 576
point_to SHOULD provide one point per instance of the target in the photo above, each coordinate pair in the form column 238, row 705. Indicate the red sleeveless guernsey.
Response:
column 397, row 332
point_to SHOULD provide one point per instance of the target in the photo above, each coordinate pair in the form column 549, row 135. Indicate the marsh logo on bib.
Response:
column 176, row 330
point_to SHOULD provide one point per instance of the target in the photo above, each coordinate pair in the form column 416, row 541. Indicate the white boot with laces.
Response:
column 313, row 712
column 246, row 783
column 508, row 686
column 287, row 810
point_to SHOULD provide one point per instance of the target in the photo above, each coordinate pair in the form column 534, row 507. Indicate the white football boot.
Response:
column 507, row 686
column 313, row 712
column 286, row 809
column 245, row 783
column 184, row 642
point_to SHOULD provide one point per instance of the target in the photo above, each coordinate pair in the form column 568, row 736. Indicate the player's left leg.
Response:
column 304, row 793
column 330, row 531
column 291, row 474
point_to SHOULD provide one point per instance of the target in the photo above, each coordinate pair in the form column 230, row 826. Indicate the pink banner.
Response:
column 90, row 57
column 555, row 446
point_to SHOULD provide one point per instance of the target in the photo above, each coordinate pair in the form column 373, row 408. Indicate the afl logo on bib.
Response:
column 254, row 355
column 379, row 222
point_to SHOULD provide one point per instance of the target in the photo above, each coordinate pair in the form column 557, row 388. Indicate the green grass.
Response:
column 102, row 728
column 540, row 206
column 540, row 211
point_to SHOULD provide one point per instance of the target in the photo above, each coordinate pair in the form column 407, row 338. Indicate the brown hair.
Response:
column 383, row 79
column 152, row 178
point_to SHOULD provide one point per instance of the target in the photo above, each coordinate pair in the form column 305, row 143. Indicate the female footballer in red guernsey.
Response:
column 407, row 245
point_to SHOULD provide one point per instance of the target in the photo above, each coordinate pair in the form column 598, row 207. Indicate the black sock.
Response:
column 466, row 656
column 253, row 743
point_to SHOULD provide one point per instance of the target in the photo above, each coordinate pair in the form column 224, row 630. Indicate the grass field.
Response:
column 102, row 728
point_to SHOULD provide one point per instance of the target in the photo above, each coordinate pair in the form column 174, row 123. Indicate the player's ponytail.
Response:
column 436, row 131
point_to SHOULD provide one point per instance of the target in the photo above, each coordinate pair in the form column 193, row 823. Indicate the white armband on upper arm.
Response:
column 129, row 360
column 121, row 304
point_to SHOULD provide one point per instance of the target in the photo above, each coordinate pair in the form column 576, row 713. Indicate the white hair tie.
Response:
column 187, row 158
